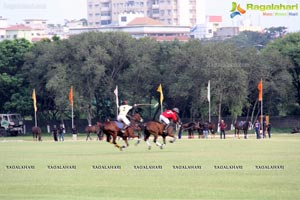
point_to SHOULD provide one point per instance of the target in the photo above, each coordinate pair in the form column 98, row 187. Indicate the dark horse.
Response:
column 93, row 129
column 191, row 127
column 241, row 125
column 112, row 129
column 36, row 133
column 197, row 126
column 156, row 128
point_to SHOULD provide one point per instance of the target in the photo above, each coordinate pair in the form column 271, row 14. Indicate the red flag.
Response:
column 71, row 96
column 260, row 90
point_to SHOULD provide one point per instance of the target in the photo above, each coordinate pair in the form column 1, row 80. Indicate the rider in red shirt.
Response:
column 168, row 115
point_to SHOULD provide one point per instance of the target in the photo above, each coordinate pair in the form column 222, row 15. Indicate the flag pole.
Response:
column 34, row 106
column 116, row 92
column 261, row 116
column 72, row 105
column 208, row 98
column 260, row 98
column 35, row 120
column 72, row 116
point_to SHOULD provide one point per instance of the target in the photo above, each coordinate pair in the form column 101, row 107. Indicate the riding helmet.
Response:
column 176, row 110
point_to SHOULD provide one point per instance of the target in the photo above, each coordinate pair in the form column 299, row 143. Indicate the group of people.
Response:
column 58, row 133
column 266, row 128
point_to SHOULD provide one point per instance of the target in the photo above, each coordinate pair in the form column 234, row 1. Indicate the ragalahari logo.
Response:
column 236, row 10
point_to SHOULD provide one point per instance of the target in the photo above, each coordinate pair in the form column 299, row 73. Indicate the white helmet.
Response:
column 176, row 110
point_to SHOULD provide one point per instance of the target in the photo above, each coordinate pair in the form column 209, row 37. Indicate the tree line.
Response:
column 94, row 63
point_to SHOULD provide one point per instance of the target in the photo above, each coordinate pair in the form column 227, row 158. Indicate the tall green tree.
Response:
column 289, row 47
column 13, row 85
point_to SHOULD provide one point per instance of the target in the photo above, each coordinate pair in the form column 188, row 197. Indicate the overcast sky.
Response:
column 55, row 11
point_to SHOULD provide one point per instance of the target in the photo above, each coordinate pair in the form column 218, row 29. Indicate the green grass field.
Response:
column 84, row 182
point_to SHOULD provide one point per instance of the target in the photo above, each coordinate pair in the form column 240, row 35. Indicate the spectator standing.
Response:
column 223, row 126
column 205, row 130
column 257, row 129
column 61, row 132
column 54, row 133
column 74, row 133
column 269, row 130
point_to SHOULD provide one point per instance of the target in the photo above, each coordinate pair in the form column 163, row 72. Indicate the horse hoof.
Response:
column 149, row 148
column 162, row 146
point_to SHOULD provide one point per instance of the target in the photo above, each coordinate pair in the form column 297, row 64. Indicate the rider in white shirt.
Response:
column 123, row 111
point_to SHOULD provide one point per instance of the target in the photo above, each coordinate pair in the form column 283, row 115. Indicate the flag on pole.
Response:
column 260, row 90
column 116, row 92
column 159, row 89
column 34, row 100
column 71, row 96
column 208, row 91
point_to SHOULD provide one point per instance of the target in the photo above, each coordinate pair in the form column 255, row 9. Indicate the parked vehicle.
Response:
column 11, row 124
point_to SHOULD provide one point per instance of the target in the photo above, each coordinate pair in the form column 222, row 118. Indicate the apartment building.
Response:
column 169, row 12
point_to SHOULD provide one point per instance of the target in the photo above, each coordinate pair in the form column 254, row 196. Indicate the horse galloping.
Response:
column 93, row 129
column 36, row 133
column 112, row 129
column 241, row 125
column 156, row 128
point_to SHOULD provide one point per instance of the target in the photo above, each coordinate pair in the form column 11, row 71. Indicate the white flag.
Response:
column 117, row 94
column 208, row 91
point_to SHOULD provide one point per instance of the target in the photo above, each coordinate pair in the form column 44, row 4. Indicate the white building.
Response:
column 3, row 26
column 169, row 12
column 143, row 27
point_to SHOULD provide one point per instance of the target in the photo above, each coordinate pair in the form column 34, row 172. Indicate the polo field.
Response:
column 187, row 169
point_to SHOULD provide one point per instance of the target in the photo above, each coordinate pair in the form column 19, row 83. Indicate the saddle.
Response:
column 120, row 125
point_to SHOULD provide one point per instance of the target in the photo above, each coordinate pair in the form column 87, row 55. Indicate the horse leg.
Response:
column 114, row 136
column 189, row 134
column 107, row 137
column 157, row 143
column 164, row 140
column 235, row 131
column 245, row 134
column 139, row 138
column 174, row 138
column 146, row 138
column 87, row 136
column 126, row 142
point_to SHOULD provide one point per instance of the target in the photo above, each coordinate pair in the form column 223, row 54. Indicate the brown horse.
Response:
column 112, row 129
column 36, row 133
column 191, row 127
column 197, row 126
column 241, row 125
column 93, row 129
column 156, row 128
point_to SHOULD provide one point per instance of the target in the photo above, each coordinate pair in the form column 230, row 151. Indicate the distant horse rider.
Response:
column 168, row 115
column 122, row 117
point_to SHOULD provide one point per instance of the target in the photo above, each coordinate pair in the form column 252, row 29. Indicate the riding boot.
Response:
column 166, row 129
